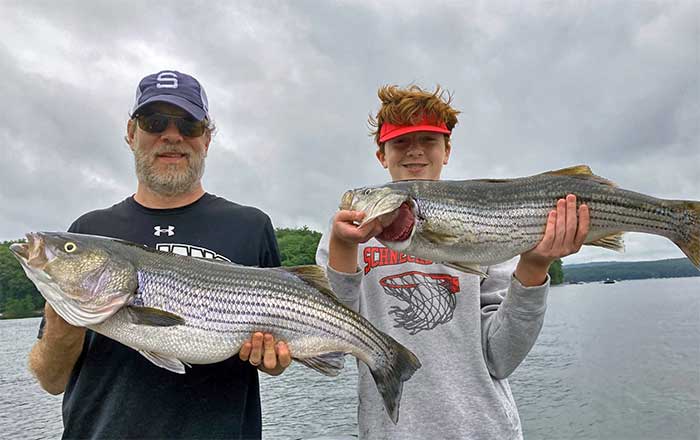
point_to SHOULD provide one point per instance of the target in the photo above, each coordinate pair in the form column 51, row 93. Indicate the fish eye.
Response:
column 70, row 247
column 368, row 191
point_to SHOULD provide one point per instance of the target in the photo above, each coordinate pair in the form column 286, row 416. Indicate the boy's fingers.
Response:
column 584, row 222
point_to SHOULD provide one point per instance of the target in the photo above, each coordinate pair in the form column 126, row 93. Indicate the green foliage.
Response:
column 297, row 246
column 18, row 296
column 556, row 272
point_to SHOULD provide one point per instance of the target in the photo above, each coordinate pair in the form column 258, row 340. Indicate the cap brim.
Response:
column 411, row 129
column 195, row 111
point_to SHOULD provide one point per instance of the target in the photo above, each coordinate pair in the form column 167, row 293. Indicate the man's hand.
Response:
column 564, row 235
column 53, row 357
column 262, row 352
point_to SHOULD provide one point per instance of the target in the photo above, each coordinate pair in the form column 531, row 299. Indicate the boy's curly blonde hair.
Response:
column 407, row 106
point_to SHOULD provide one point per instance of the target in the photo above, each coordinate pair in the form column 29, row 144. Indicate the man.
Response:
column 469, row 334
column 111, row 391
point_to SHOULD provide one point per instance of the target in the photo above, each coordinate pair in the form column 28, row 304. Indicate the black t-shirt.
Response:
column 114, row 392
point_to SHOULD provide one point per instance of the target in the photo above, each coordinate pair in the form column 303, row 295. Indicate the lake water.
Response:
column 613, row 361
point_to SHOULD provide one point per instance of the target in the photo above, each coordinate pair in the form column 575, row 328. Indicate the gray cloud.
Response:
column 542, row 85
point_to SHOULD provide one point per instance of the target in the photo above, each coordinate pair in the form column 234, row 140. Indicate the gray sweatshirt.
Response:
column 469, row 336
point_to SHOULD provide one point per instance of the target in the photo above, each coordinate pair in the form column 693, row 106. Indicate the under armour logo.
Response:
column 170, row 230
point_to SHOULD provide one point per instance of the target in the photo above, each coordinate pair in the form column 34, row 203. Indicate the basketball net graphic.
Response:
column 430, row 298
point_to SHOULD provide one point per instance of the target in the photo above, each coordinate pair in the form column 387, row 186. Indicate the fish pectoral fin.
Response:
column 613, row 242
column 467, row 267
column 313, row 275
column 172, row 364
column 152, row 317
column 329, row 364
column 582, row 172
column 439, row 237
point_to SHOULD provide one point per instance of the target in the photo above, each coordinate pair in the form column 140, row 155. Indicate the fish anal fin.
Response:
column 171, row 364
column 467, row 267
column 328, row 364
column 153, row 317
column 581, row 172
column 613, row 242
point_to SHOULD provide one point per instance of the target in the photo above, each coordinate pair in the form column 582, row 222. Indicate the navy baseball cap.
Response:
column 173, row 87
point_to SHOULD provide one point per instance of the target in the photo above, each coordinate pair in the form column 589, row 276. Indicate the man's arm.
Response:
column 53, row 357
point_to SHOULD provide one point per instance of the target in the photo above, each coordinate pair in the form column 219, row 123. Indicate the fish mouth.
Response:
column 401, row 229
column 33, row 253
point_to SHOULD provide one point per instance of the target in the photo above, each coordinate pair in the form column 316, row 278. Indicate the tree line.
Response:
column 20, row 298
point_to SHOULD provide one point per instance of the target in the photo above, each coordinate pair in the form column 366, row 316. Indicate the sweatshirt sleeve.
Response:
column 511, row 318
column 346, row 286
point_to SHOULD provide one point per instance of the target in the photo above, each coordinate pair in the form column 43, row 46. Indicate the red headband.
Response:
column 390, row 131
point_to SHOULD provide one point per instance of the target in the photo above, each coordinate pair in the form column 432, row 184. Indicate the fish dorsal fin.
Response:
column 581, row 172
column 613, row 242
column 328, row 364
column 314, row 276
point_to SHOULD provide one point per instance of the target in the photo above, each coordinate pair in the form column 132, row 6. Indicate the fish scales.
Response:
column 178, row 310
column 237, row 300
column 483, row 222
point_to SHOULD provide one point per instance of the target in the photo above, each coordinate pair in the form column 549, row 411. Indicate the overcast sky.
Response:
column 541, row 85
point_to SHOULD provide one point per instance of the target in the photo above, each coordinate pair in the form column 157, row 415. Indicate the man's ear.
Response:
column 207, row 140
column 130, row 133
column 381, row 157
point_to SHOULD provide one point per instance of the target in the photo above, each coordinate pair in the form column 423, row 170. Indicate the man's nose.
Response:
column 171, row 133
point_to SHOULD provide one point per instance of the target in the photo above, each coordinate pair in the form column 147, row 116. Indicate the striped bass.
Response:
column 470, row 223
column 177, row 310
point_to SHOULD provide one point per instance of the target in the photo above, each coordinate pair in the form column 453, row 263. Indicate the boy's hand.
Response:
column 564, row 235
column 345, row 227
column 262, row 352
column 346, row 236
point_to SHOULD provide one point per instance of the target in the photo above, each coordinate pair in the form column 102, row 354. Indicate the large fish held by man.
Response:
column 178, row 310
column 471, row 223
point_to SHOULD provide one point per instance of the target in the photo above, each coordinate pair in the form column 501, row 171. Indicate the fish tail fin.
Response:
column 390, row 372
column 688, row 236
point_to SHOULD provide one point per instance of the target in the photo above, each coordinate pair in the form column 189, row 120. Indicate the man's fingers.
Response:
column 269, row 356
column 284, row 356
column 257, row 350
column 244, row 352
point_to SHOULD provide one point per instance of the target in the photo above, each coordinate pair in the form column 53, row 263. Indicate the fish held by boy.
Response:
column 178, row 310
column 472, row 223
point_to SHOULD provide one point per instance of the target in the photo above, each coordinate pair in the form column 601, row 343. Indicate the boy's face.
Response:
column 417, row 155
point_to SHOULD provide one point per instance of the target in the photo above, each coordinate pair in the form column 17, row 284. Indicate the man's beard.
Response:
column 169, row 179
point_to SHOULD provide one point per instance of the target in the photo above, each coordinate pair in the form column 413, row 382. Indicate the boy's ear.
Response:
column 381, row 157
column 448, row 150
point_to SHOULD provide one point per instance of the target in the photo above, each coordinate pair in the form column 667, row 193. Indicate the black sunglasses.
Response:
column 158, row 122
